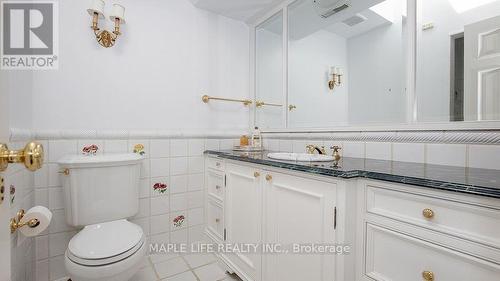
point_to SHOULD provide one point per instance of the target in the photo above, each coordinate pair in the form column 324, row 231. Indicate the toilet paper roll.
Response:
column 42, row 214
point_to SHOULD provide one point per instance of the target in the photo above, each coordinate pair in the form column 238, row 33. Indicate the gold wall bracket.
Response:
column 31, row 156
column 15, row 223
column 105, row 38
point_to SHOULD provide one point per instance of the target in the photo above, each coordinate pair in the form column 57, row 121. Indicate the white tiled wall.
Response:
column 463, row 155
column 178, row 163
column 20, row 181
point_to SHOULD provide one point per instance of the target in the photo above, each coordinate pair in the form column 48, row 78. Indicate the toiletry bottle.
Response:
column 256, row 138
column 244, row 140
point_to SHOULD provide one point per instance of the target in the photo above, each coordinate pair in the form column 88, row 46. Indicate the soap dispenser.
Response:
column 256, row 138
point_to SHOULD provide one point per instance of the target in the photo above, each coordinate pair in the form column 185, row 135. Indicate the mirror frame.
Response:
column 412, row 123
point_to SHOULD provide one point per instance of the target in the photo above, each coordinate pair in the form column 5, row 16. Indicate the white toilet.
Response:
column 100, row 193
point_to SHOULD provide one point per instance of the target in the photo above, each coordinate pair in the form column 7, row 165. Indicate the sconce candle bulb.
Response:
column 336, row 73
column 105, row 38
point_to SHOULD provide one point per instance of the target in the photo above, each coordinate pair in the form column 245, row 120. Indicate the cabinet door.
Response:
column 243, row 213
column 298, row 211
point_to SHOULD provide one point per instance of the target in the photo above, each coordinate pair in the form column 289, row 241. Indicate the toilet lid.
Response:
column 105, row 240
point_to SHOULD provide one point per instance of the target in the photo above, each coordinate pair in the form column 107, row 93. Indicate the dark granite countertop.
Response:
column 480, row 182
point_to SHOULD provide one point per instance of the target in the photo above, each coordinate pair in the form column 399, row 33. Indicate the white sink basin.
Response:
column 302, row 157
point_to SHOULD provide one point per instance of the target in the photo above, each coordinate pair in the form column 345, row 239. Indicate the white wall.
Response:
column 310, row 59
column 169, row 55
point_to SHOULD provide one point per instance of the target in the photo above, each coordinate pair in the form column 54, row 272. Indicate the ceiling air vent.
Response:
column 354, row 20
column 327, row 8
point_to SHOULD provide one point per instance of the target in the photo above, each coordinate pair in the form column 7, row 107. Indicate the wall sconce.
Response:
column 105, row 38
column 336, row 73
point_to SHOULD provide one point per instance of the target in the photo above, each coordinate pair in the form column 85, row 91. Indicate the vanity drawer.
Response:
column 215, row 184
column 394, row 256
column 471, row 222
column 215, row 219
column 215, row 163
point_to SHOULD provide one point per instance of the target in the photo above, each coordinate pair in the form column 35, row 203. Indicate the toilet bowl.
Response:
column 111, row 251
column 100, row 193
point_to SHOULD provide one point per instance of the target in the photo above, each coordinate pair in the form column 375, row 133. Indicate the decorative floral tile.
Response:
column 160, row 187
column 139, row 149
column 178, row 221
column 90, row 150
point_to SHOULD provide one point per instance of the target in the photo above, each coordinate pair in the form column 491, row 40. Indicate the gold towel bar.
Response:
column 262, row 103
column 207, row 98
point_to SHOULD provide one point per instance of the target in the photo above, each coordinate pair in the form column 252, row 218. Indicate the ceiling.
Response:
column 243, row 10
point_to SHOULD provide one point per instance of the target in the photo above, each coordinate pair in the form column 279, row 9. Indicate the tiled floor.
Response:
column 194, row 267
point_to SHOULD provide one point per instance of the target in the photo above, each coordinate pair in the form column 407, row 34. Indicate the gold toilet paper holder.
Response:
column 16, row 223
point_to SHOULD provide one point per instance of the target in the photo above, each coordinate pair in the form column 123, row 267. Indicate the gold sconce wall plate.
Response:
column 31, row 156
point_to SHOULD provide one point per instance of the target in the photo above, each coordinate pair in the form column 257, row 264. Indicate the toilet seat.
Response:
column 105, row 243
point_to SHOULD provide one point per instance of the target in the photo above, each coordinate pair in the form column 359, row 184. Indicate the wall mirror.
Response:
column 269, row 94
column 377, row 63
column 361, row 44
column 458, row 60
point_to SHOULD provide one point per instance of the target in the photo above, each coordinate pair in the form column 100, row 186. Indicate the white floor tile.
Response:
column 186, row 276
column 197, row 260
column 145, row 274
column 157, row 258
column 171, row 267
column 211, row 272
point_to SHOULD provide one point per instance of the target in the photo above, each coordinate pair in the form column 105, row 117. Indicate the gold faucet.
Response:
column 336, row 154
column 312, row 148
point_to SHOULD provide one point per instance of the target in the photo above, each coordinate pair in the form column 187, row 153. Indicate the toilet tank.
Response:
column 100, row 188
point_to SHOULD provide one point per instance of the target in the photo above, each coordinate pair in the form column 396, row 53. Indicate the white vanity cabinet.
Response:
column 413, row 234
column 265, row 207
column 396, row 232
column 299, row 211
column 243, row 214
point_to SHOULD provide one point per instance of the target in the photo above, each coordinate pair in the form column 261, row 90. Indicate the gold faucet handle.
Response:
column 335, row 148
column 310, row 149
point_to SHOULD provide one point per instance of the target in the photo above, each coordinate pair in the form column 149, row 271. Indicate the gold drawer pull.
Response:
column 217, row 187
column 256, row 174
column 428, row 213
column 428, row 275
column 217, row 220
column 269, row 177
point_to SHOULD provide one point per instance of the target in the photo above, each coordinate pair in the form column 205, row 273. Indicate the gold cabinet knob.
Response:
column 291, row 107
column 428, row 213
column 217, row 187
column 217, row 220
column 428, row 275
column 269, row 177
column 256, row 174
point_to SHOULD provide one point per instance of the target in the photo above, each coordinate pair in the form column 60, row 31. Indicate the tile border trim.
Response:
column 447, row 137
